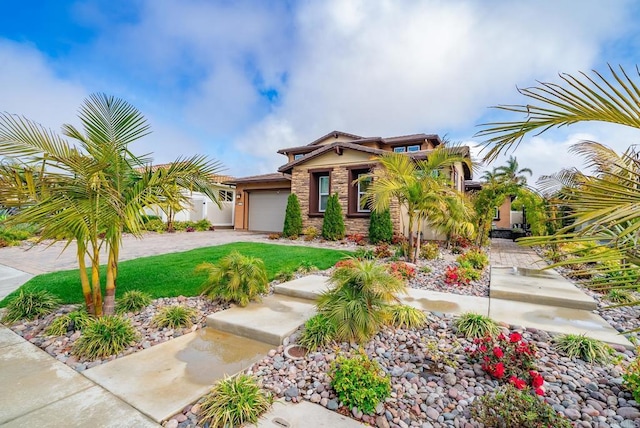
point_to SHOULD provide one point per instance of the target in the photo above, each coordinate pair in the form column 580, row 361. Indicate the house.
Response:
column 325, row 166
column 504, row 219
column 200, row 207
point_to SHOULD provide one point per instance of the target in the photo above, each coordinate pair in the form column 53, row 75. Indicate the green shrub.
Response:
column 620, row 296
column 359, row 382
column 132, row 301
column 380, row 227
column 425, row 269
column 292, row 218
column 73, row 321
column 236, row 278
column 509, row 407
column 202, row 225
column 474, row 326
column 583, row 347
column 156, row 225
column 357, row 305
column 318, row 331
column 406, row 316
column 30, row 305
column 383, row 251
column 310, row 233
column 233, row 402
column 475, row 257
column 306, row 266
column 150, row 217
column 105, row 336
column 333, row 224
column 631, row 377
column 364, row 254
column 429, row 251
column 284, row 276
column 468, row 271
column 174, row 317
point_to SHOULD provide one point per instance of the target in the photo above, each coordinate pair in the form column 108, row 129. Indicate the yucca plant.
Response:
column 236, row 278
column 104, row 337
column 233, row 402
column 318, row 331
column 132, row 301
column 473, row 326
column 620, row 296
column 30, row 305
column 175, row 317
column 357, row 306
column 73, row 321
column 406, row 316
column 583, row 347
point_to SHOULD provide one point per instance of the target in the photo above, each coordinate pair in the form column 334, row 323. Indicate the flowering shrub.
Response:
column 461, row 242
column 508, row 358
column 456, row 276
column 475, row 258
column 382, row 251
column 345, row 263
column 429, row 251
column 402, row 270
column 398, row 239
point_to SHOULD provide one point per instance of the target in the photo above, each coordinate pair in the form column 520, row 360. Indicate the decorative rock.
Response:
column 315, row 398
column 171, row 423
column 292, row 392
column 628, row 412
column 572, row 414
column 381, row 422
column 332, row 405
column 432, row 413
column 449, row 378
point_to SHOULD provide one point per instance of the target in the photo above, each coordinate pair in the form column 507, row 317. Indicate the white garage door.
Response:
column 266, row 210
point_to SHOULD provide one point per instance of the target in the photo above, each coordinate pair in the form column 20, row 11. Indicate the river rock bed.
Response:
column 149, row 335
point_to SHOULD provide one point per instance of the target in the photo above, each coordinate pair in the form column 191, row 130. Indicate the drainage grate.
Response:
column 281, row 422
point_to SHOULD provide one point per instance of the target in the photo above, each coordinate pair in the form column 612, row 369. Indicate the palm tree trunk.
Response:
column 419, row 231
column 84, row 279
column 112, row 272
column 95, row 281
column 410, row 242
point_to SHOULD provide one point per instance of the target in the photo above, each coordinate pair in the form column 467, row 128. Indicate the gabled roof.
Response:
column 263, row 178
column 334, row 134
column 329, row 147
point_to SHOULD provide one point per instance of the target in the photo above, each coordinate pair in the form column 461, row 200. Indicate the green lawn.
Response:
column 171, row 275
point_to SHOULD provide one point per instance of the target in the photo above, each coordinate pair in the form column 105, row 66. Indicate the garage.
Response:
column 267, row 209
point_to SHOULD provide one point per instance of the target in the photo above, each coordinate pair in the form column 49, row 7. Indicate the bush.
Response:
column 382, row 251
column 233, row 402
column 508, row 407
column 508, row 358
column 306, row 266
column 583, row 347
column 406, row 316
column 156, row 225
column 631, row 377
column 292, row 218
column 357, row 238
column 476, row 258
column 274, row 236
column 14, row 235
column 429, row 251
column 620, row 296
column 30, row 305
column 175, row 317
column 105, row 336
column 73, row 321
column 132, row 301
column 202, row 225
column 284, row 276
column 456, row 275
column 380, row 227
column 364, row 254
column 467, row 271
column 236, row 278
column 333, row 224
column 318, row 331
column 359, row 382
column 310, row 233
column 402, row 270
column 475, row 326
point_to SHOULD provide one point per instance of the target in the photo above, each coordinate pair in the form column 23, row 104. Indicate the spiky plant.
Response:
column 73, row 321
column 104, row 337
column 406, row 316
column 473, row 326
column 583, row 347
column 318, row 331
column 175, row 317
column 132, row 301
column 236, row 278
column 30, row 305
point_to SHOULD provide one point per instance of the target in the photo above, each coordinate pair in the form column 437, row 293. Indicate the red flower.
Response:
column 515, row 337
column 536, row 379
column 499, row 370
column 518, row 383
column 539, row 391
column 501, row 336
column 498, row 352
column 483, row 348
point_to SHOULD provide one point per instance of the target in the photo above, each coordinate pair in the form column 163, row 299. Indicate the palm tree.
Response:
column 100, row 186
column 421, row 186
column 604, row 206
column 511, row 172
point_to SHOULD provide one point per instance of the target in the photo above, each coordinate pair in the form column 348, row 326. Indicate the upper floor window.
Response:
column 298, row 156
column 414, row 148
column 400, row 149
column 225, row 195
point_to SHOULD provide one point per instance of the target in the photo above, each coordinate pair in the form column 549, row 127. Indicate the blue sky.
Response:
column 237, row 80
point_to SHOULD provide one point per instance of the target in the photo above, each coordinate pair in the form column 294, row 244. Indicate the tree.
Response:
column 380, row 227
column 421, row 186
column 605, row 206
column 511, row 172
column 292, row 218
column 333, row 224
column 90, row 192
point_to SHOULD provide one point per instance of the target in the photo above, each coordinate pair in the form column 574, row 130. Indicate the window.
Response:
column 400, row 149
column 414, row 148
column 496, row 214
column 225, row 195
column 363, row 206
column 323, row 192
column 298, row 156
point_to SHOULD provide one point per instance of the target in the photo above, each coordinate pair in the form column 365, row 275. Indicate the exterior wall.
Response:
column 505, row 215
column 338, row 139
column 241, row 216
column 200, row 207
column 348, row 157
